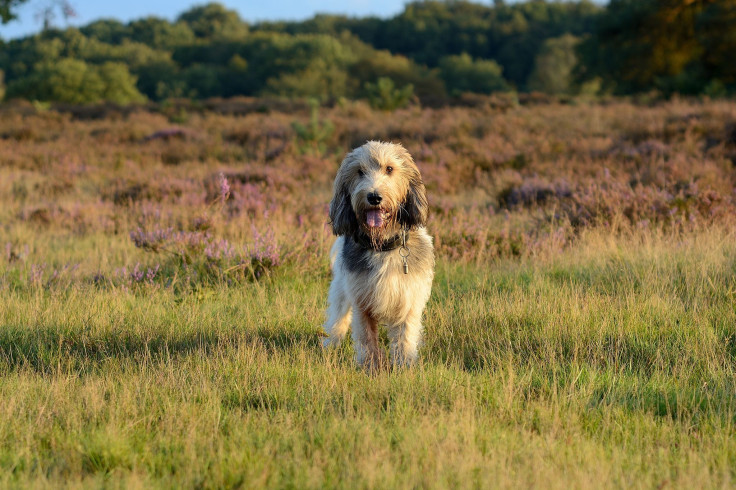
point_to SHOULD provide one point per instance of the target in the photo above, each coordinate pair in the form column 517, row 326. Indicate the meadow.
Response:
column 163, row 279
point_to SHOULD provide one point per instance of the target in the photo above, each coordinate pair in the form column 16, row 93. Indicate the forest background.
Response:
column 432, row 53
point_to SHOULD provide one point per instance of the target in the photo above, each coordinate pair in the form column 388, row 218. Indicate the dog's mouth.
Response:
column 376, row 218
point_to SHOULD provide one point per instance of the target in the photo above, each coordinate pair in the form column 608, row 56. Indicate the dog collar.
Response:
column 365, row 242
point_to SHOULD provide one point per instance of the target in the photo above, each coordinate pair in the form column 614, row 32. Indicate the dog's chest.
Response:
column 383, row 288
column 379, row 284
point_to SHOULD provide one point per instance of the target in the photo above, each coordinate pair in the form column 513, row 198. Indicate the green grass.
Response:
column 610, row 364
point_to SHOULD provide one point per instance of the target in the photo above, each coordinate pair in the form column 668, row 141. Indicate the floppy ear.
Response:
column 415, row 208
column 342, row 216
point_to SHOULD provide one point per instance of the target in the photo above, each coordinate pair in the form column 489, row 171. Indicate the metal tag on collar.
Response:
column 406, row 249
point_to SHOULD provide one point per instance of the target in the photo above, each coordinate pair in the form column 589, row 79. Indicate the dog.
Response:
column 383, row 258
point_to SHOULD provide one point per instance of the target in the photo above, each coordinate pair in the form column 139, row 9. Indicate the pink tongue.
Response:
column 374, row 218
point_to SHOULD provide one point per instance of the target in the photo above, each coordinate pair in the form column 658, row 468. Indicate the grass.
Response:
column 609, row 365
column 581, row 330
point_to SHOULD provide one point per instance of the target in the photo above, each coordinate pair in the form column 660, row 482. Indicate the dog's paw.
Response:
column 374, row 363
column 330, row 341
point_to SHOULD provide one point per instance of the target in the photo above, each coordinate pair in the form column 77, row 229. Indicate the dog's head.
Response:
column 378, row 190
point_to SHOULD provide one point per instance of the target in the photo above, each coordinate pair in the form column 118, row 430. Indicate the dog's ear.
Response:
column 342, row 216
column 415, row 208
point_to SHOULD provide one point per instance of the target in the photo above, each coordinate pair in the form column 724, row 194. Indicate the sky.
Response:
column 249, row 10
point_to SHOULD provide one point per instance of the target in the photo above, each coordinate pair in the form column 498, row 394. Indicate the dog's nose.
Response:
column 374, row 198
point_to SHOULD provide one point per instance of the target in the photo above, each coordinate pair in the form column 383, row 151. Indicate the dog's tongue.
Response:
column 374, row 218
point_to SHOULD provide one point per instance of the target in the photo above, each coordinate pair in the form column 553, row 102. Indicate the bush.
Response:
column 384, row 94
column 312, row 137
column 553, row 66
column 76, row 82
column 463, row 74
column 320, row 80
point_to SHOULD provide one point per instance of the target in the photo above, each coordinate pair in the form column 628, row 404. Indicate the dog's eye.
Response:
column 389, row 170
column 360, row 172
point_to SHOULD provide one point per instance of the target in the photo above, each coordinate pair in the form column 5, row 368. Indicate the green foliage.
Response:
column 109, row 31
column 74, row 81
column 373, row 65
column 715, row 30
column 553, row 66
column 118, row 84
column 160, row 33
column 312, row 137
column 463, row 74
column 384, row 95
column 237, row 63
column 715, row 88
column 214, row 21
column 670, row 45
column 511, row 34
column 311, row 66
column 317, row 80
column 7, row 9
column 437, row 46
column 202, row 80
column 67, row 80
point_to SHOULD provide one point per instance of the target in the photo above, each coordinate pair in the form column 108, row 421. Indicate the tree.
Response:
column 386, row 96
column 74, row 81
column 553, row 65
column 7, row 8
column 463, row 74
column 108, row 31
column 118, row 84
column 202, row 80
column 160, row 33
column 642, row 44
column 47, row 12
column 373, row 65
column 319, row 80
column 715, row 31
column 213, row 21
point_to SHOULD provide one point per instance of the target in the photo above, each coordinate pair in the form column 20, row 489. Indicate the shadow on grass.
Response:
column 530, row 348
column 46, row 350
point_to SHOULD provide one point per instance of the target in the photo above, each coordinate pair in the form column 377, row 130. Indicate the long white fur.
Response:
column 383, row 294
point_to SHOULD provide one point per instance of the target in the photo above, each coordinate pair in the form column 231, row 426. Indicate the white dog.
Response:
column 383, row 259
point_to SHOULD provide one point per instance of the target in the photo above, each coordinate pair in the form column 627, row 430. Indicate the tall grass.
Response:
column 579, row 334
column 610, row 365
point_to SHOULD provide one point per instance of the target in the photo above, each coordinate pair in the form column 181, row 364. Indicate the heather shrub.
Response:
column 604, row 203
column 534, row 191
column 583, row 296
column 666, row 165
column 197, row 257
column 191, row 259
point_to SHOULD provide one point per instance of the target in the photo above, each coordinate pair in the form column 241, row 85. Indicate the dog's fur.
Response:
column 369, row 286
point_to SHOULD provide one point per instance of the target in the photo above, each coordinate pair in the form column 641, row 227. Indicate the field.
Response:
column 163, row 279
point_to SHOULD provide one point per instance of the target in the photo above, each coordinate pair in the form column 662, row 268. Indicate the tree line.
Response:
column 433, row 50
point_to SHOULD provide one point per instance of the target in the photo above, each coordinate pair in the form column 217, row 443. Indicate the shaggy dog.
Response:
column 383, row 259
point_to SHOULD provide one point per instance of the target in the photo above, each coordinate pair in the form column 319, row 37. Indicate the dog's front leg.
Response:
column 365, row 337
column 405, row 338
column 338, row 314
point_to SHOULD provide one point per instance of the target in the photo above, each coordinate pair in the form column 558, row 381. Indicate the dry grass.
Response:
column 580, row 332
